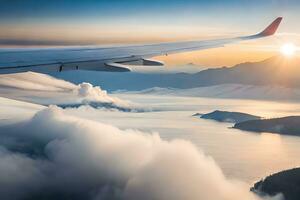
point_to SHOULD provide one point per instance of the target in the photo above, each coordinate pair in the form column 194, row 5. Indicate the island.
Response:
column 285, row 125
column 286, row 182
column 225, row 116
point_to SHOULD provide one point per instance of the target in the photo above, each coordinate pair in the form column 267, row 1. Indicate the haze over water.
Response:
column 241, row 155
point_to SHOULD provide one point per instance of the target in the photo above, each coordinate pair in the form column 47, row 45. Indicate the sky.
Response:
column 74, row 22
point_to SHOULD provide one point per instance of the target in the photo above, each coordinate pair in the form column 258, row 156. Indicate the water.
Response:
column 241, row 155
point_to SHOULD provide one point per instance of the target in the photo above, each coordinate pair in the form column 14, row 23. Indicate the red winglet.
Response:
column 272, row 28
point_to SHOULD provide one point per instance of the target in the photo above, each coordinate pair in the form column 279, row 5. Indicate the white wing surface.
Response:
column 106, row 59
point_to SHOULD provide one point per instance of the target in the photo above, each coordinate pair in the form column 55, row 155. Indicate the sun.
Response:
column 288, row 49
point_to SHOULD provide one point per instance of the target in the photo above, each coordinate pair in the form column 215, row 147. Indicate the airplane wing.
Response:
column 119, row 59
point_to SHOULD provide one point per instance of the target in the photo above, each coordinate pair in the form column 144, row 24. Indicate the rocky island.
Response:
column 225, row 116
column 286, row 183
column 285, row 125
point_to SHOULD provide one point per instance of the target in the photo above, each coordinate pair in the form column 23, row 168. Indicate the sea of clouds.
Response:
column 56, row 156
column 230, row 91
column 51, row 155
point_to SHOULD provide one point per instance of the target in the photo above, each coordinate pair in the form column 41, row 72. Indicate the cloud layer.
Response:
column 56, row 156
column 46, row 90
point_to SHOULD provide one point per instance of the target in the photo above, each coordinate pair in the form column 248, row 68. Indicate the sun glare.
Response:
column 288, row 49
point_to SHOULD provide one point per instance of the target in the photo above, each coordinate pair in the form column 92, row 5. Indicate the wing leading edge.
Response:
column 107, row 59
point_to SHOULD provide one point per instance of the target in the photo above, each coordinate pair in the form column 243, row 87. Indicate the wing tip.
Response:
column 272, row 28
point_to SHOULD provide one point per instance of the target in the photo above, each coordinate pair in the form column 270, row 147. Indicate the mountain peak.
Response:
column 274, row 60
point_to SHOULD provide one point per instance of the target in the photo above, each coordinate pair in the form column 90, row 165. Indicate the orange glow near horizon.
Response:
column 218, row 57
column 231, row 55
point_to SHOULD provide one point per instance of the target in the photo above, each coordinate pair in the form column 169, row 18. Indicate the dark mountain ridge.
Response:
column 275, row 71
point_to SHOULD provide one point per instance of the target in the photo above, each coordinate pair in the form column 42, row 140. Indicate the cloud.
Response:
column 46, row 90
column 96, row 97
column 56, row 156
column 42, row 42
column 35, row 82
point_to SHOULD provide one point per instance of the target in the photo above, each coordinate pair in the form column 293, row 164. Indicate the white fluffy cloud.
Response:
column 56, row 156
column 86, row 92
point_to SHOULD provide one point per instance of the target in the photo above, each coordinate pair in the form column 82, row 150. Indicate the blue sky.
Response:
column 222, row 16
column 46, row 8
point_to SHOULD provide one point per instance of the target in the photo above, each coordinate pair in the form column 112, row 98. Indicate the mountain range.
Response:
column 275, row 71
